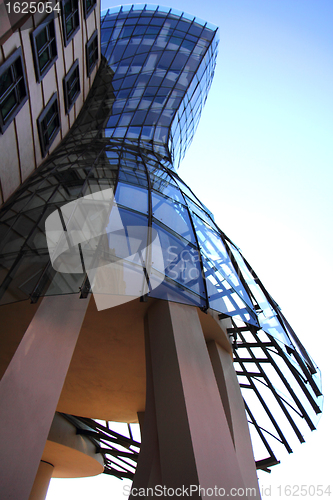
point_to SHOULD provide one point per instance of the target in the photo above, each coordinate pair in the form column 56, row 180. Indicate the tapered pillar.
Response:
column 30, row 390
column 42, row 481
column 148, row 471
column 193, row 445
column 233, row 403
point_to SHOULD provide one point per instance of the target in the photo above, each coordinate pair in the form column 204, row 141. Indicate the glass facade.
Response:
column 130, row 137
column 163, row 65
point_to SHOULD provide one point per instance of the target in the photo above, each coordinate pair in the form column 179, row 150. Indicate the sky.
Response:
column 261, row 160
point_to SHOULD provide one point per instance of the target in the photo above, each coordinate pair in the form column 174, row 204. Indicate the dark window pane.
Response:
column 13, row 92
column 43, row 59
column 50, row 129
column 44, row 47
column 17, row 66
column 41, row 39
column 70, row 19
column 21, row 89
column 69, row 26
column 5, row 81
column 67, row 8
column 48, row 124
column 8, row 104
column 92, row 52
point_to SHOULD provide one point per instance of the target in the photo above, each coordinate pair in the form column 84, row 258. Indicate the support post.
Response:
column 233, row 403
column 42, row 481
column 188, row 439
column 30, row 390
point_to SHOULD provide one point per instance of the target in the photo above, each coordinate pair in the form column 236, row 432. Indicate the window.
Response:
column 72, row 86
column 48, row 124
column 88, row 6
column 92, row 52
column 44, row 47
column 13, row 88
column 70, row 19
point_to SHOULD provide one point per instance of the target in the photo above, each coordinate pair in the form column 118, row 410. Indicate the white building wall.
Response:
column 20, row 152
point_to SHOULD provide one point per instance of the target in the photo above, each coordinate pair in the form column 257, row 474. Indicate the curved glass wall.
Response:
column 163, row 64
column 121, row 153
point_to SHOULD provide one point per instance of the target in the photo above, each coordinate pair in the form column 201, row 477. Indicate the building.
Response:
column 169, row 308
column 50, row 63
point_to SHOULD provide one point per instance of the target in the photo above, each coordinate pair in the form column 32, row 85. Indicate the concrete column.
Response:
column 42, row 481
column 193, row 443
column 233, row 403
column 148, row 468
column 30, row 390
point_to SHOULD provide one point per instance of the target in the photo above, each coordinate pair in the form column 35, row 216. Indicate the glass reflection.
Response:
column 132, row 197
column 174, row 215
column 181, row 260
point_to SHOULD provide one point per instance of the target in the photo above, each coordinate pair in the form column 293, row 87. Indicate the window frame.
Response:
column 69, row 103
column 7, row 65
column 88, row 11
column 91, row 40
column 41, row 129
column 76, row 4
column 48, row 24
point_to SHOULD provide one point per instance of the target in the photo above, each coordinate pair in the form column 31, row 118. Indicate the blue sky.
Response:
column 261, row 161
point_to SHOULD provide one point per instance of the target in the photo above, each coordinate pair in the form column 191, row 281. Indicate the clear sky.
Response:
column 262, row 162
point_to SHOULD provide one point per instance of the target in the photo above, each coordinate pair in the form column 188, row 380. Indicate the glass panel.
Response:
column 195, row 29
column 43, row 59
column 21, row 89
column 68, row 8
column 171, row 191
column 134, row 227
column 8, row 104
column 73, row 79
column 73, row 93
column 139, row 118
column 221, row 295
column 51, row 127
column 173, row 215
column 41, row 39
column 214, row 249
column 5, row 81
column 199, row 211
column 89, row 3
column 159, row 178
column 186, row 190
column 24, row 277
column 180, row 263
column 133, row 176
column 132, row 196
column 254, row 287
column 49, row 115
column 118, row 268
column 172, row 291
column 272, row 326
column 70, row 25
column 64, row 283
